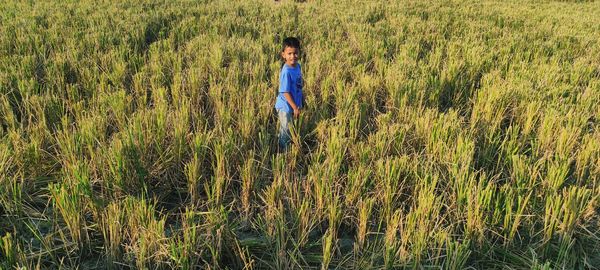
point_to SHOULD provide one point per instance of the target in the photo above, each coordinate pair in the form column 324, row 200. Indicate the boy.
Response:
column 289, row 101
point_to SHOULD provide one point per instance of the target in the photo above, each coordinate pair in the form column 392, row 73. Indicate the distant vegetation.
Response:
column 438, row 134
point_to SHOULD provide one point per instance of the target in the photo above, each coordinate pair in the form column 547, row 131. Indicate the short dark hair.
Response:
column 290, row 42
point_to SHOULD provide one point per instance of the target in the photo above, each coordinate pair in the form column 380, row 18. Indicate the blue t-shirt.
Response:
column 290, row 81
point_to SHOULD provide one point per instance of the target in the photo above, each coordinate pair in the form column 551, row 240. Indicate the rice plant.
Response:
column 436, row 134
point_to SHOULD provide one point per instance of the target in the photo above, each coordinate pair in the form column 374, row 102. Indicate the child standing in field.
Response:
column 290, row 98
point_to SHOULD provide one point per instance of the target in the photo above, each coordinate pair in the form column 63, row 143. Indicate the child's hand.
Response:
column 296, row 113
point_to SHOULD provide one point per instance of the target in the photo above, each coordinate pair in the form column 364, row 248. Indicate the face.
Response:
column 290, row 56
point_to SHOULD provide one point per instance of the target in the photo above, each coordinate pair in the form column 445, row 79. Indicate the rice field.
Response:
column 439, row 134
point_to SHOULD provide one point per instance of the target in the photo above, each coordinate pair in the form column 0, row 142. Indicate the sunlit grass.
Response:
column 435, row 135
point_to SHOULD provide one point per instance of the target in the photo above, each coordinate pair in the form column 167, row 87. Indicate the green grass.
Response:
column 437, row 134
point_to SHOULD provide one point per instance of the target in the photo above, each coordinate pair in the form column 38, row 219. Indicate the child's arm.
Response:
column 290, row 100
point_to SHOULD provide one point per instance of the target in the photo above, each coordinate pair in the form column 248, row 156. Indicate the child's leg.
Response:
column 285, row 120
